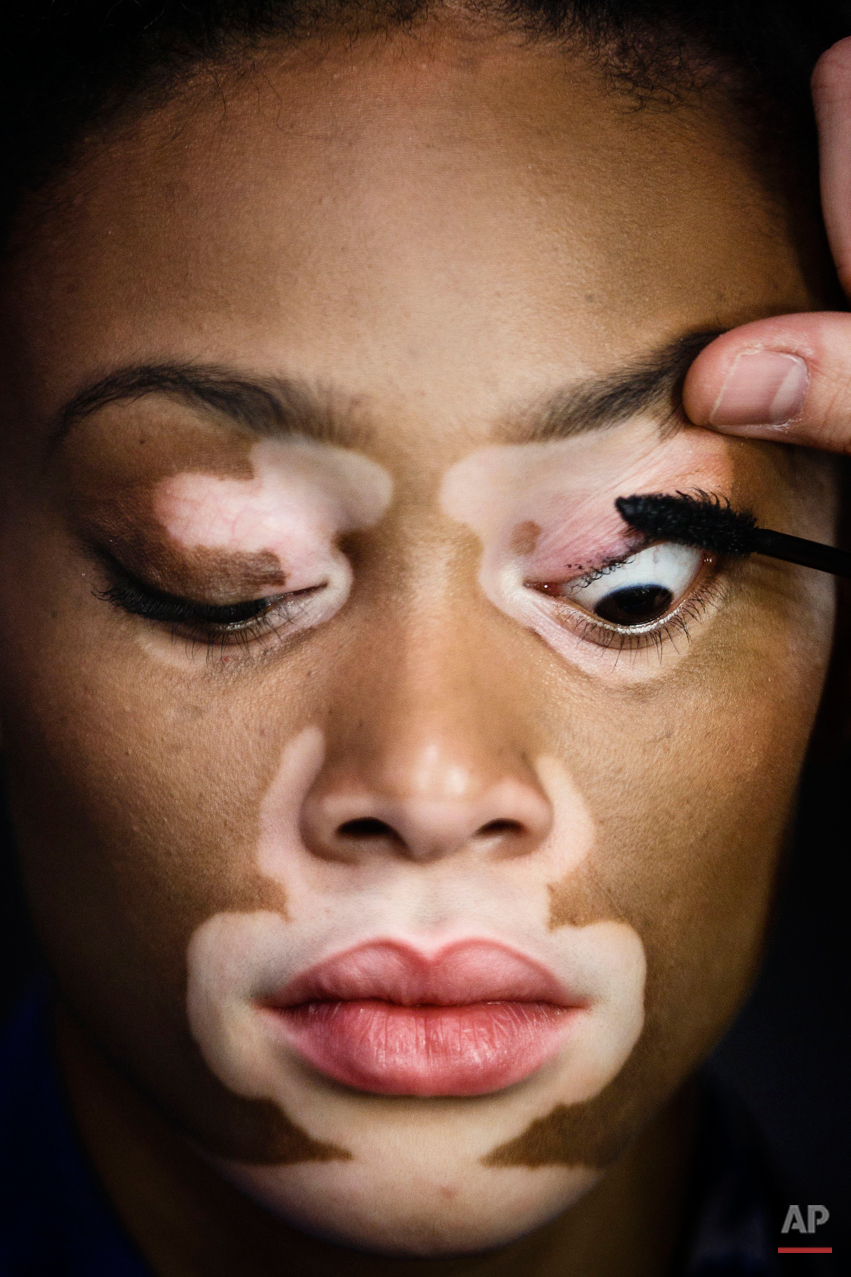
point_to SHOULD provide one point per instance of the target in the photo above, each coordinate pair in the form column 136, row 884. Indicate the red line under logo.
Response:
column 804, row 1250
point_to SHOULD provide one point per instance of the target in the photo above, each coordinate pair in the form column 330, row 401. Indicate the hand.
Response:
column 789, row 377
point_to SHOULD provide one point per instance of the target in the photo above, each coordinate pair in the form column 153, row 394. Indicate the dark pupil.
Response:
column 635, row 604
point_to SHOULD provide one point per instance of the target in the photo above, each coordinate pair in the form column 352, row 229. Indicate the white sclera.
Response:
column 665, row 566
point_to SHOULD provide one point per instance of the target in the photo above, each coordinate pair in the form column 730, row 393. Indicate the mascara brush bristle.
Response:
column 697, row 519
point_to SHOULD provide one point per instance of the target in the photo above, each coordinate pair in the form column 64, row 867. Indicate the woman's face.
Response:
column 410, row 899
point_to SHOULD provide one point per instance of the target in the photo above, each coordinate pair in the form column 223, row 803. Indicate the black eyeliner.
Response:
column 709, row 523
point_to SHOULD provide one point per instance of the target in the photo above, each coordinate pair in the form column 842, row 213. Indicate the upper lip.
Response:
column 461, row 973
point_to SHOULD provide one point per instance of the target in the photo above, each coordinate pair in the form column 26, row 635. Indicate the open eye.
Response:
column 640, row 589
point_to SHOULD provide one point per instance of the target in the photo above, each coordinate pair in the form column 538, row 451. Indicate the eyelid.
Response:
column 556, row 553
column 610, row 565
column 212, row 624
column 172, row 608
column 314, row 598
column 694, row 558
column 159, row 605
column 582, row 574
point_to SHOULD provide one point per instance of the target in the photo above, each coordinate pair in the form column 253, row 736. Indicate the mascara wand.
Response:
column 709, row 524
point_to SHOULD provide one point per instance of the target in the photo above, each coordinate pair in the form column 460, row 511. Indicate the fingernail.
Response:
column 761, row 388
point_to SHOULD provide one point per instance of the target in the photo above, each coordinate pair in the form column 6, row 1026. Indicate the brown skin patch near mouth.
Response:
column 567, row 1136
column 596, row 1132
column 272, row 1138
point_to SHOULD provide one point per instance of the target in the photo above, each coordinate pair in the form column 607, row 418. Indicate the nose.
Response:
column 426, row 761
column 437, row 809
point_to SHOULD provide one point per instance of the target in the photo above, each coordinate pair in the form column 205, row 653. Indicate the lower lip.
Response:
column 389, row 1049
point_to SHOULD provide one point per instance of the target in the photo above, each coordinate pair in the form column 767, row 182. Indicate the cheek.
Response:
column 138, row 810
column 691, row 817
column 690, row 820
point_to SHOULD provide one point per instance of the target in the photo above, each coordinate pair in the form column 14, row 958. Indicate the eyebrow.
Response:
column 280, row 406
column 263, row 406
column 651, row 383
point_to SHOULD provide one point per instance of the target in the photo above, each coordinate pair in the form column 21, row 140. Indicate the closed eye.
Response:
column 216, row 622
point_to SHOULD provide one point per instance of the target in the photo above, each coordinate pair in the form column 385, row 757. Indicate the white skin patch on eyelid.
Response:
column 565, row 490
column 303, row 496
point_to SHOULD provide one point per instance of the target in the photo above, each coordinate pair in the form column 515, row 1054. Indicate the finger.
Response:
column 786, row 378
column 832, row 102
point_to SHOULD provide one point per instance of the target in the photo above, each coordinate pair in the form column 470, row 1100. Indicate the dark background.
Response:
column 788, row 1053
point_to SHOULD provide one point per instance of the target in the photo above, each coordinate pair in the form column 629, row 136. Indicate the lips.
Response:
column 389, row 1019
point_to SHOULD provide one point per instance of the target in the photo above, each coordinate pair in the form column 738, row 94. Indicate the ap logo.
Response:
column 794, row 1221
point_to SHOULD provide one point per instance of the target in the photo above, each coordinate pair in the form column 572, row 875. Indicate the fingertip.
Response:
column 786, row 378
column 832, row 72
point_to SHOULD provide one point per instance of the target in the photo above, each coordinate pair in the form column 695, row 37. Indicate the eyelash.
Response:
column 242, row 624
column 217, row 626
column 706, row 590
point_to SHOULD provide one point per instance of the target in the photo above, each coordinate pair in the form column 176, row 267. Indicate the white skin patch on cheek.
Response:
column 303, row 497
column 230, row 954
column 610, row 970
column 280, row 842
column 574, row 831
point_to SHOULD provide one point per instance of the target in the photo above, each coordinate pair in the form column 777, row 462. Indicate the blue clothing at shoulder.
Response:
column 54, row 1217
column 55, row 1220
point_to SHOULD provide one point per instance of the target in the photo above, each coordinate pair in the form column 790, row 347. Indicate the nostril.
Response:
column 368, row 827
column 495, row 827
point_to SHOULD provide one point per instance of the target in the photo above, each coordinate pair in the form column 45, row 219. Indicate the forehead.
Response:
column 412, row 218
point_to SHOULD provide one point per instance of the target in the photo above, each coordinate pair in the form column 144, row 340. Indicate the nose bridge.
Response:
column 427, row 752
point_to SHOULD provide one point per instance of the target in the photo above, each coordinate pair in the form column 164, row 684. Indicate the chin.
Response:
column 404, row 1207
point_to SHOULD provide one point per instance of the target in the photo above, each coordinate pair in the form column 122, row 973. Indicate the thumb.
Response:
column 787, row 378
